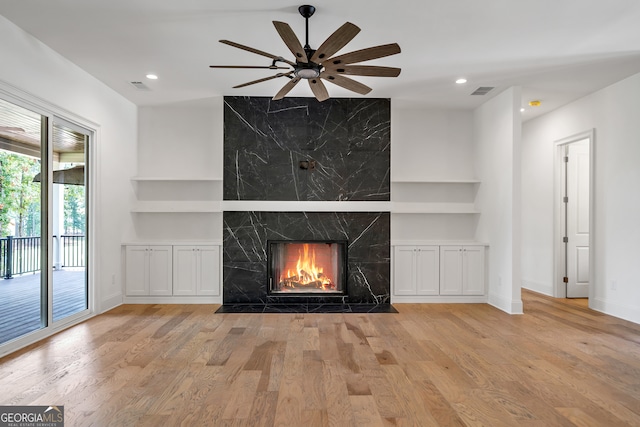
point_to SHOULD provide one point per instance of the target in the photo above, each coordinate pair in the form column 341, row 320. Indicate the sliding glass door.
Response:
column 69, row 220
column 43, row 221
column 22, row 295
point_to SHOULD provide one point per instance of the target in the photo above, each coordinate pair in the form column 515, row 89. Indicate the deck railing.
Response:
column 19, row 255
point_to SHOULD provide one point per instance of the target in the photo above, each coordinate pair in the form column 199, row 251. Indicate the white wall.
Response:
column 180, row 141
column 496, row 132
column 614, row 114
column 430, row 144
column 36, row 74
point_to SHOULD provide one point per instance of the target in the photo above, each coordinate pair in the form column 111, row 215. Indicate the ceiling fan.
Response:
column 314, row 65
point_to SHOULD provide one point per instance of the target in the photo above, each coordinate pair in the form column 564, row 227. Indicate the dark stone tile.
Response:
column 265, row 140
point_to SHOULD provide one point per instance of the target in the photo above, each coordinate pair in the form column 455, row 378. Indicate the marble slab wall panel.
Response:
column 265, row 141
column 245, row 252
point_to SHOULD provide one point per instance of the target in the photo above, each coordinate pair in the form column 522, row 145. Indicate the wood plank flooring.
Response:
column 559, row 364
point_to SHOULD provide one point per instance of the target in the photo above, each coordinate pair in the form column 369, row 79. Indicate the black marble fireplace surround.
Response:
column 299, row 149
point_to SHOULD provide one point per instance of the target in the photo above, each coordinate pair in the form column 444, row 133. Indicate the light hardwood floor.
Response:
column 560, row 364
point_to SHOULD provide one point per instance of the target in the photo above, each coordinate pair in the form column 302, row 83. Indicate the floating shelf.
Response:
column 433, row 208
column 305, row 206
column 437, row 181
column 176, row 207
column 170, row 179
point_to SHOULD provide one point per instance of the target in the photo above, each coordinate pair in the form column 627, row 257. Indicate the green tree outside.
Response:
column 19, row 195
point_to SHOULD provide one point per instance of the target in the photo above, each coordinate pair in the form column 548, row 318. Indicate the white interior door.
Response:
column 577, row 220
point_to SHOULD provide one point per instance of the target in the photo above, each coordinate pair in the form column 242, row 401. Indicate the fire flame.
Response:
column 306, row 272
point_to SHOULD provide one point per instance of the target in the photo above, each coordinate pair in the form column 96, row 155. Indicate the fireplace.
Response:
column 307, row 268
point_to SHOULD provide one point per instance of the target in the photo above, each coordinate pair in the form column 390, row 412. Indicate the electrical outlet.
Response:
column 499, row 281
column 614, row 285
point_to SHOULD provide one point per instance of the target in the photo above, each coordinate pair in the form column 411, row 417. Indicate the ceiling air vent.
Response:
column 139, row 85
column 483, row 90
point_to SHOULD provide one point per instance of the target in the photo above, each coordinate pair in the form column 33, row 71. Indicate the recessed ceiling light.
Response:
column 152, row 77
column 461, row 81
column 522, row 110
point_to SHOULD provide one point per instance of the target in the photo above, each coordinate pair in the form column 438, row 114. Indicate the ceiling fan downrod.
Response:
column 307, row 12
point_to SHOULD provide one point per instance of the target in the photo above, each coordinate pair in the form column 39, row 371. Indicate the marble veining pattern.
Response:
column 298, row 149
column 265, row 141
column 245, row 259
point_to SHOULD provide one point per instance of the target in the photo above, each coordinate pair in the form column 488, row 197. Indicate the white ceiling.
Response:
column 557, row 50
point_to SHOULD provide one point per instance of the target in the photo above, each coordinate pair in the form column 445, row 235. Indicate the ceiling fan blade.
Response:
column 335, row 42
column 286, row 88
column 346, row 82
column 364, row 54
column 319, row 89
column 256, row 51
column 365, row 70
column 270, row 67
column 291, row 40
column 262, row 80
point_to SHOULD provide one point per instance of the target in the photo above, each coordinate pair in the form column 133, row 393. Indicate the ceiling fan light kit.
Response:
column 315, row 65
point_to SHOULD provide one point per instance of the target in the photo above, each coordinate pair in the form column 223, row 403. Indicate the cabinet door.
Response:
column 450, row 270
column 136, row 270
column 185, row 260
column 404, row 270
column 428, row 270
column 208, row 282
column 160, row 268
column 473, row 270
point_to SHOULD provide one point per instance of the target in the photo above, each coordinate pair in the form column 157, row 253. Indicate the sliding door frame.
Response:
column 52, row 113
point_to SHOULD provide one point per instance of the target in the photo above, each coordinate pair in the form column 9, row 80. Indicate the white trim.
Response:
column 438, row 299
column 506, row 305
column 200, row 299
column 305, row 206
column 437, row 243
column 623, row 311
column 559, row 288
column 173, row 242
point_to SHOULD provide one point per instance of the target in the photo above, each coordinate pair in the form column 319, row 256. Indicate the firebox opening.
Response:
column 307, row 267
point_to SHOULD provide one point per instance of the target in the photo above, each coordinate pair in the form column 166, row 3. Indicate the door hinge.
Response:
column 565, row 199
column 566, row 159
column 565, row 279
column 565, row 240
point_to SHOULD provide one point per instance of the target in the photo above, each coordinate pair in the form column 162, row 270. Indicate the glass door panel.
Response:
column 23, row 295
column 69, row 195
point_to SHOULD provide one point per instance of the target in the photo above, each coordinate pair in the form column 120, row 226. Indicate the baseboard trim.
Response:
column 622, row 311
column 506, row 305
column 173, row 300
column 438, row 299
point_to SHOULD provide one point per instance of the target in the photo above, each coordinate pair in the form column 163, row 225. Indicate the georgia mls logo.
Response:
column 32, row 416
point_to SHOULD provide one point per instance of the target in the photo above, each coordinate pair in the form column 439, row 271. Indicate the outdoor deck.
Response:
column 20, row 301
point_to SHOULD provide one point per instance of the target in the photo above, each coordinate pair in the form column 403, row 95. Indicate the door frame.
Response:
column 559, row 253
column 92, row 130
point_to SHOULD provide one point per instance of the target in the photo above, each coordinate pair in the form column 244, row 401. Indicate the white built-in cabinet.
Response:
column 196, row 270
column 148, row 270
column 438, row 271
column 172, row 270
column 416, row 270
column 462, row 270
